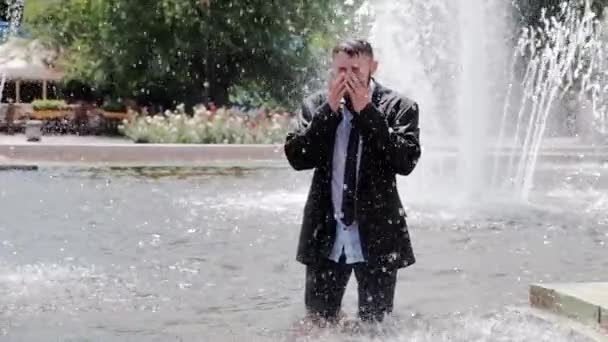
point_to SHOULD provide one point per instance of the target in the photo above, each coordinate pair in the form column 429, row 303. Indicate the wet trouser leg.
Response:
column 326, row 283
column 325, row 286
column 376, row 288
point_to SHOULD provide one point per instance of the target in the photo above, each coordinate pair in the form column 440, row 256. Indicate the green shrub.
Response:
column 49, row 105
column 252, row 96
column 114, row 106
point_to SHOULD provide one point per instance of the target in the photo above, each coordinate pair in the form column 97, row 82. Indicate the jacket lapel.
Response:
column 377, row 94
column 362, row 174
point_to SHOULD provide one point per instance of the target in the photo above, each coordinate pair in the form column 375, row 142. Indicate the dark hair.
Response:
column 354, row 47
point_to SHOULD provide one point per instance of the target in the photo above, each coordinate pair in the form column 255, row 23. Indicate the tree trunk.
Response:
column 219, row 94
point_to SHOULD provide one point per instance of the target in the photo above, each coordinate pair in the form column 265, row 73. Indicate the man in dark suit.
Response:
column 357, row 136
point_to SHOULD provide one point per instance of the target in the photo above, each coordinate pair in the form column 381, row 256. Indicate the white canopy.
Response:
column 28, row 60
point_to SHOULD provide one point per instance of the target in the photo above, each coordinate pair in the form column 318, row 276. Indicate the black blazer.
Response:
column 390, row 145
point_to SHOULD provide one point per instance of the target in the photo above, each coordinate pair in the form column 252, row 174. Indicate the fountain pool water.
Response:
column 106, row 255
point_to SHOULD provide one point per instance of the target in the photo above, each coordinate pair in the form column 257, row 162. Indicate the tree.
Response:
column 529, row 11
column 189, row 51
column 11, row 10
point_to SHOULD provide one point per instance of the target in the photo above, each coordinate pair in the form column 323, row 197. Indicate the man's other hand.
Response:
column 358, row 91
column 337, row 89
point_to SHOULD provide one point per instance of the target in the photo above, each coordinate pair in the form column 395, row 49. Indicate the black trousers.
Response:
column 326, row 283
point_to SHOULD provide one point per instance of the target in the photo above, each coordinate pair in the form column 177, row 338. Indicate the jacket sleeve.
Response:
column 307, row 146
column 397, row 143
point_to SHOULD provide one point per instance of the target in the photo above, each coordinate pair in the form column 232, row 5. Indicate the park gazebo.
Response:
column 27, row 63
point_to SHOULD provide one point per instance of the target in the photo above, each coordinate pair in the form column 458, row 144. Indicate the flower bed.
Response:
column 221, row 126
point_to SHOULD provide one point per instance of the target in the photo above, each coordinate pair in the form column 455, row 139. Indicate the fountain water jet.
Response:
column 452, row 58
column 472, row 103
column 563, row 57
column 456, row 59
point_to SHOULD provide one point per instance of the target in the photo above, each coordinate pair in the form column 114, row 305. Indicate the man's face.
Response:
column 363, row 67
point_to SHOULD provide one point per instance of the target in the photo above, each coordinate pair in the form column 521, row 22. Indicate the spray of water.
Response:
column 564, row 56
column 457, row 59
column 452, row 57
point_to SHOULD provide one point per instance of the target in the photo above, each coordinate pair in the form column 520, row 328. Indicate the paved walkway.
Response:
column 19, row 139
column 103, row 151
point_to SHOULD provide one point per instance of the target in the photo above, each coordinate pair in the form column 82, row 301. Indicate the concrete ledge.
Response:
column 17, row 167
column 157, row 154
column 120, row 153
column 585, row 302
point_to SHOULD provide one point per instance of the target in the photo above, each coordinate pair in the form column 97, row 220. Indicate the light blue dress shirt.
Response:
column 348, row 240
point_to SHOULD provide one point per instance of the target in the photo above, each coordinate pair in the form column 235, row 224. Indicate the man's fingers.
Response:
column 352, row 77
column 343, row 84
column 338, row 91
column 362, row 84
column 356, row 81
column 349, row 77
column 352, row 86
column 340, row 78
column 337, row 82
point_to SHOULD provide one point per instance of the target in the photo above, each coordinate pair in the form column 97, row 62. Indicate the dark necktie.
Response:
column 350, row 178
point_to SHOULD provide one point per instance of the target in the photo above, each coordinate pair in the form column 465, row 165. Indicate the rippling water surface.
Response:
column 122, row 256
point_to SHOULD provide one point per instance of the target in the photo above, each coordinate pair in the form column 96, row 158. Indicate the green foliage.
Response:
column 35, row 8
column 191, row 51
column 10, row 15
column 5, row 6
column 224, row 126
column 252, row 96
column 114, row 106
column 49, row 105
column 529, row 11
